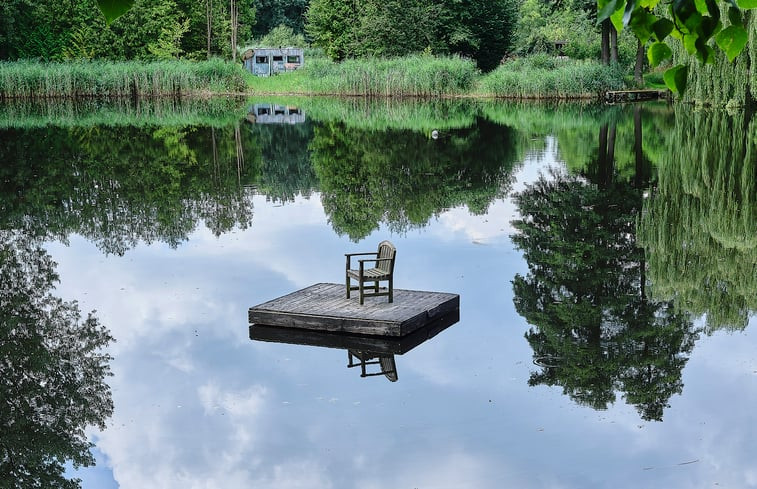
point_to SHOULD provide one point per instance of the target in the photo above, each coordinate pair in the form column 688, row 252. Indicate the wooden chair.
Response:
column 382, row 271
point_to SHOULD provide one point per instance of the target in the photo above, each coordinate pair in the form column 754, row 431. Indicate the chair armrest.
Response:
column 348, row 256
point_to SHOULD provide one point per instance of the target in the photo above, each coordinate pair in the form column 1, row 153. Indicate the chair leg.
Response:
column 391, row 289
column 361, row 292
column 347, row 281
column 375, row 287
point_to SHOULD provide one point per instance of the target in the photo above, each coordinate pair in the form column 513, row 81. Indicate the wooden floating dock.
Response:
column 376, row 345
column 324, row 307
column 616, row 96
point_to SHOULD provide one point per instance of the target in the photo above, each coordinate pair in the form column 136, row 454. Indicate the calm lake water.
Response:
column 605, row 257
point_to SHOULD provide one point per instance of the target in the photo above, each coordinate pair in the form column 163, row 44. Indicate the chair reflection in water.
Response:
column 364, row 358
column 383, row 270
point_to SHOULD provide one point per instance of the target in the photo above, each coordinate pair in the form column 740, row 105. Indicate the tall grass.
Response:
column 83, row 79
column 542, row 76
column 410, row 76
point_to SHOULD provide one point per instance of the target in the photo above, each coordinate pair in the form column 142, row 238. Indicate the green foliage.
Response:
column 25, row 79
column 723, row 82
column 281, row 36
column 396, row 28
column 113, row 9
column 331, row 24
column 118, row 186
column 52, row 386
column 692, row 22
column 479, row 29
column 52, row 30
column 286, row 170
column 699, row 227
column 404, row 178
column 168, row 45
column 594, row 330
column 544, row 76
column 271, row 14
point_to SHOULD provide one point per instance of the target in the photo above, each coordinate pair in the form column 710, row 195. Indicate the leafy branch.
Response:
column 694, row 23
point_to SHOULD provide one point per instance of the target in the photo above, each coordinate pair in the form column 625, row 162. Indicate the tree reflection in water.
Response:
column 52, row 372
column 405, row 178
column 699, row 224
column 594, row 329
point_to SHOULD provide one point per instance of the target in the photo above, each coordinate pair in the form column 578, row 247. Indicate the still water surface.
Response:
column 605, row 259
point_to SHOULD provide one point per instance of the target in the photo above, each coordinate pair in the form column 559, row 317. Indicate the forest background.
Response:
column 493, row 34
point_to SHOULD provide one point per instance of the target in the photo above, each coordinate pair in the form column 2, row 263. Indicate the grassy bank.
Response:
column 542, row 77
column 411, row 76
column 102, row 79
column 537, row 77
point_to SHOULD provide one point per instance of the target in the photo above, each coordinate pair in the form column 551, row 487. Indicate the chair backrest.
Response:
column 386, row 250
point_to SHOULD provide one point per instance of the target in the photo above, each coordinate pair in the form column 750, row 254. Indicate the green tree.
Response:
column 332, row 25
column 52, row 371
column 397, row 27
column 275, row 13
column 478, row 29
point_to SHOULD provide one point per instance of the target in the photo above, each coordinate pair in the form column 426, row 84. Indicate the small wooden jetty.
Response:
column 617, row 96
column 324, row 307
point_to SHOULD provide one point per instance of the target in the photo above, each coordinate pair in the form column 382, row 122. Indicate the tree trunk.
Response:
column 234, row 24
column 209, row 19
column 613, row 44
column 638, row 69
column 606, row 41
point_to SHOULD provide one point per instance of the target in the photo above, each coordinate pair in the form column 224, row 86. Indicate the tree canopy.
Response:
column 478, row 29
column 146, row 29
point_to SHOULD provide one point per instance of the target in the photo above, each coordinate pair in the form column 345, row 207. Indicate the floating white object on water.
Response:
column 434, row 134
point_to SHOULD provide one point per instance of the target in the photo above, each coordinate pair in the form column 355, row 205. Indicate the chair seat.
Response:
column 371, row 273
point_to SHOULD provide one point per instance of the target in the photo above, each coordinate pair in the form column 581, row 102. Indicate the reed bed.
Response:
column 545, row 77
column 102, row 79
column 410, row 76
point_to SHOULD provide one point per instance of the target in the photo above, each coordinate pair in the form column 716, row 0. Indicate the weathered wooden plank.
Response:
column 325, row 307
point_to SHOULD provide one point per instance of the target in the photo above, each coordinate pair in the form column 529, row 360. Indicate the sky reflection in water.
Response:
column 197, row 404
column 200, row 405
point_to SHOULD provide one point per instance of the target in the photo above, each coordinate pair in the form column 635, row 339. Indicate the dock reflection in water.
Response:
column 375, row 355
